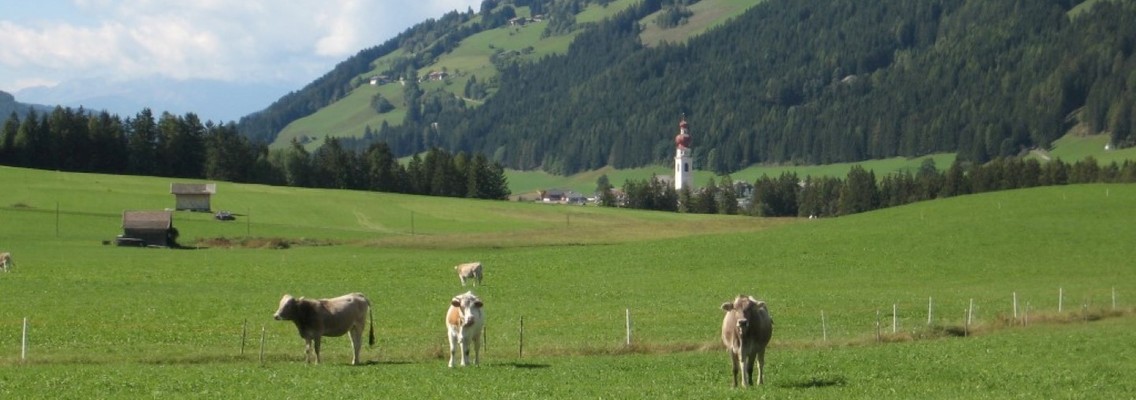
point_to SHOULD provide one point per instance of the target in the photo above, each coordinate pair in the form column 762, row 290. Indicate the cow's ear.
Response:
column 456, row 303
column 727, row 306
column 477, row 304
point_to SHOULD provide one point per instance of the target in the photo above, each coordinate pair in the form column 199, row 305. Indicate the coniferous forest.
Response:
column 185, row 147
column 809, row 82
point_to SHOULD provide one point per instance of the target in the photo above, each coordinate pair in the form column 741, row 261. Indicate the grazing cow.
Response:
column 316, row 318
column 465, row 323
column 746, row 331
column 6, row 262
column 469, row 271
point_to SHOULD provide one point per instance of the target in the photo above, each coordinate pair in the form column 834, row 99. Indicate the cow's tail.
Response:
column 371, row 340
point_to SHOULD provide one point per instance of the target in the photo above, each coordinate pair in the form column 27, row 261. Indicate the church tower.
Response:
column 684, row 165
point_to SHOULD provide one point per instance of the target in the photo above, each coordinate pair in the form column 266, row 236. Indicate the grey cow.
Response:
column 316, row 318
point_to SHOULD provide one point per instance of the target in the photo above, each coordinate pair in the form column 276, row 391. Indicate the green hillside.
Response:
column 126, row 322
column 351, row 115
column 706, row 15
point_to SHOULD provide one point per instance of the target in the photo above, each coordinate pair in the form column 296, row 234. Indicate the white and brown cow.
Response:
column 746, row 331
column 316, row 318
column 6, row 262
column 470, row 270
column 464, row 325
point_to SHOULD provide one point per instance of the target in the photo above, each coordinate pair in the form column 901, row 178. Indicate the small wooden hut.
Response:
column 193, row 196
column 151, row 228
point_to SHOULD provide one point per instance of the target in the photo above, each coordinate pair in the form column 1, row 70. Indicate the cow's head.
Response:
column 740, row 309
column 287, row 308
column 469, row 306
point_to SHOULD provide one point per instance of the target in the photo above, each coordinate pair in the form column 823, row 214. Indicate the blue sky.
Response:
column 49, row 42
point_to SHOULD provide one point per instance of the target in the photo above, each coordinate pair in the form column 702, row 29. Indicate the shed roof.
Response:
column 158, row 220
column 193, row 188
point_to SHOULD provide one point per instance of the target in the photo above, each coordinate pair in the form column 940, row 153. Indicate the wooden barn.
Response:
column 193, row 196
column 147, row 228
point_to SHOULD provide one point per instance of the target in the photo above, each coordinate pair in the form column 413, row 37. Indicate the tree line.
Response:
column 790, row 195
column 175, row 146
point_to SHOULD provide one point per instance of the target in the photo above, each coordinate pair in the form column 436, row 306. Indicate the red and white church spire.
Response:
column 684, row 165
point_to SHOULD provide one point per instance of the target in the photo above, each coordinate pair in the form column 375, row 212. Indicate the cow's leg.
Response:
column 477, row 350
column 316, row 346
column 307, row 350
column 453, row 346
column 465, row 350
column 734, row 360
column 749, row 369
column 761, row 365
column 356, row 342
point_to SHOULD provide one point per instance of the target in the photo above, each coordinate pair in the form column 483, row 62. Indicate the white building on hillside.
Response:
column 684, row 162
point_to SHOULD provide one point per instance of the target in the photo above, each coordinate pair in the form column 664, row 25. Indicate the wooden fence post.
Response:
column 1015, row 306
column 894, row 317
column 970, row 312
column 1060, row 299
column 930, row 302
column 521, row 347
column 244, row 335
column 628, row 316
column 24, row 342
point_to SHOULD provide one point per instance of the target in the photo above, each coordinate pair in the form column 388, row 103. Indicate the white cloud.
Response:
column 254, row 40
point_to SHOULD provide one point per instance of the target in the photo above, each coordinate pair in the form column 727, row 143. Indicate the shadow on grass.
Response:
column 523, row 365
column 373, row 362
column 816, row 382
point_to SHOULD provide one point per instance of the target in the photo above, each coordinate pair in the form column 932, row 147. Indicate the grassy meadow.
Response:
column 135, row 322
column 707, row 15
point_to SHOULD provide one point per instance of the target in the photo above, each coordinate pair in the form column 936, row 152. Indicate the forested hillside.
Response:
column 804, row 81
column 821, row 81
column 417, row 47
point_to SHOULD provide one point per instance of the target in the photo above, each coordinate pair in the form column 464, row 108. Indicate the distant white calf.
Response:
column 469, row 271
column 6, row 262
column 464, row 324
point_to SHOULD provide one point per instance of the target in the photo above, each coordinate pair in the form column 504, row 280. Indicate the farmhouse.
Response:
column 562, row 196
column 148, row 228
column 379, row 80
column 193, row 196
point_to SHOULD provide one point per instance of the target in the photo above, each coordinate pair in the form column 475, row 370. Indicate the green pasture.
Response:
column 707, row 14
column 347, row 117
column 1073, row 148
column 527, row 182
column 134, row 322
column 1070, row 148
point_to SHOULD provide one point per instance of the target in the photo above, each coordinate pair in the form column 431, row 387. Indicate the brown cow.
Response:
column 746, row 331
column 316, row 318
column 469, row 271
